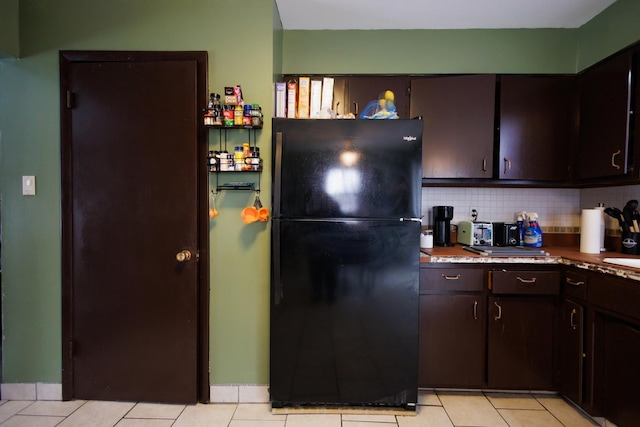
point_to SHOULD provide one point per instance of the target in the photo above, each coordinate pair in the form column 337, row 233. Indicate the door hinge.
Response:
column 69, row 99
column 72, row 348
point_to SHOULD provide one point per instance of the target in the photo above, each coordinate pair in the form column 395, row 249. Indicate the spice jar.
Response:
column 238, row 157
column 256, row 115
column 237, row 115
column 228, row 115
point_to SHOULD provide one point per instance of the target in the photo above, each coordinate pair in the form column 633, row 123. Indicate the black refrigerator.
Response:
column 345, row 263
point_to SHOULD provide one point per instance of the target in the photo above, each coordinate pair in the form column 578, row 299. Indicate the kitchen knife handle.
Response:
column 613, row 159
column 475, row 310
column 499, row 316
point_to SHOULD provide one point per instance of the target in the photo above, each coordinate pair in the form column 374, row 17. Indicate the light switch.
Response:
column 28, row 185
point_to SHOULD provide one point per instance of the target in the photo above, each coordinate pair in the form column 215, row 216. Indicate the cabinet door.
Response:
column 364, row 89
column 452, row 338
column 570, row 363
column 603, row 149
column 458, row 115
column 520, row 353
column 616, row 370
column 537, row 127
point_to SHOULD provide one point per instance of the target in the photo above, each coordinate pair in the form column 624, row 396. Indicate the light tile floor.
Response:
column 435, row 409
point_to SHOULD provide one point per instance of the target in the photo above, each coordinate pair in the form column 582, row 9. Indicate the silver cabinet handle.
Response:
column 475, row 310
column 499, row 316
column 484, row 164
column 526, row 281
column 572, row 283
column 507, row 165
column 573, row 324
column 613, row 158
column 456, row 277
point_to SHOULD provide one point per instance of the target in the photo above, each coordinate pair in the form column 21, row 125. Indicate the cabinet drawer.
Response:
column 618, row 295
column 451, row 279
column 525, row 282
column 575, row 285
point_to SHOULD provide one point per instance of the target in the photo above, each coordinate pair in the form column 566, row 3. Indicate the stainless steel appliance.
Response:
column 345, row 263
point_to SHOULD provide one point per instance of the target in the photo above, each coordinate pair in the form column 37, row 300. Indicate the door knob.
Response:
column 183, row 256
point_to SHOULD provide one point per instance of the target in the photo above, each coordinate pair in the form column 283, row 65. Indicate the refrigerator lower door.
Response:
column 344, row 314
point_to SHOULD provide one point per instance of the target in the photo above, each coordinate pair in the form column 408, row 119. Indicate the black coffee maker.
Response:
column 442, row 216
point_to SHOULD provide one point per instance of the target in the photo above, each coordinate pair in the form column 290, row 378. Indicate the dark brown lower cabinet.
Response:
column 571, row 351
column 617, row 370
column 520, row 342
column 452, row 340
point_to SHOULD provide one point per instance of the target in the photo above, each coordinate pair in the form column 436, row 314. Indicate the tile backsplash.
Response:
column 558, row 209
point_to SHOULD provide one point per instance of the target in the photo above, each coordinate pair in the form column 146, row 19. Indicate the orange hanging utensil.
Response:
column 262, row 212
column 213, row 212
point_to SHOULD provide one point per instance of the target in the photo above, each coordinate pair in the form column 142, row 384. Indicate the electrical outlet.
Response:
column 28, row 185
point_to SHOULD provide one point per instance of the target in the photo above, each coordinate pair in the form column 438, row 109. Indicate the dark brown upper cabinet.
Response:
column 604, row 148
column 537, row 127
column 458, row 114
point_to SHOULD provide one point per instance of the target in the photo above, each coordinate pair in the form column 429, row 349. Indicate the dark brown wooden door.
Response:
column 520, row 343
column 458, row 113
column 570, row 360
column 131, row 165
column 538, row 125
column 452, row 338
column 603, row 149
column 616, row 370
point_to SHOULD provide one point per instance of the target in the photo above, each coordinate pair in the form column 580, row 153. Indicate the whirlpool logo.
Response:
column 409, row 138
column 629, row 243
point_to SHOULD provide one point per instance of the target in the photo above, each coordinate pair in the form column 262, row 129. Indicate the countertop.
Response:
column 564, row 255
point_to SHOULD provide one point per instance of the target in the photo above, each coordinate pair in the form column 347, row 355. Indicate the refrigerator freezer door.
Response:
column 344, row 315
column 347, row 168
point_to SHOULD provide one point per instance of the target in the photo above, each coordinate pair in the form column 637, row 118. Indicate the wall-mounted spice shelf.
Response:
column 216, row 166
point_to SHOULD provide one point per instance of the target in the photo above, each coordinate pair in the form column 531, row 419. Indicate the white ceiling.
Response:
column 436, row 14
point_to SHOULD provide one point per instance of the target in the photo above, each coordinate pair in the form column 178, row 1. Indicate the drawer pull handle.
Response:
column 571, row 282
column 507, row 166
column 456, row 277
column 527, row 281
column 613, row 159
column 573, row 314
column 475, row 310
column 499, row 316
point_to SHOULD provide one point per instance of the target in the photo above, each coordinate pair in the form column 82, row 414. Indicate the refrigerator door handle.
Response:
column 277, row 178
column 412, row 219
column 276, row 278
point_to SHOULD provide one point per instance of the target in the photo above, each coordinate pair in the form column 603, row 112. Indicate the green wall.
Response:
column 240, row 46
column 9, row 36
column 246, row 47
column 463, row 51
column 616, row 27
column 429, row 51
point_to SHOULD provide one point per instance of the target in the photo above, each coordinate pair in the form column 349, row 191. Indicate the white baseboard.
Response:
column 31, row 391
column 222, row 393
column 239, row 393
